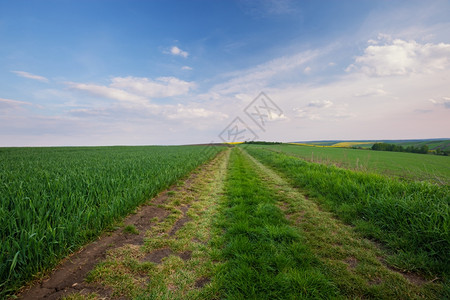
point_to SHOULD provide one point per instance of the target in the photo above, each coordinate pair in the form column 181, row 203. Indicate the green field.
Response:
column 53, row 200
column 248, row 222
column 409, row 217
column 443, row 144
column 413, row 166
column 432, row 145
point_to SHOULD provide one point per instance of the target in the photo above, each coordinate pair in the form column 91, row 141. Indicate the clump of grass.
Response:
column 264, row 258
column 130, row 229
column 410, row 218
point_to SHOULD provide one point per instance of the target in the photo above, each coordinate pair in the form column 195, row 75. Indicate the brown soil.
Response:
column 157, row 255
column 413, row 278
column 180, row 223
column 186, row 255
column 202, row 282
column 352, row 262
column 68, row 277
column 376, row 281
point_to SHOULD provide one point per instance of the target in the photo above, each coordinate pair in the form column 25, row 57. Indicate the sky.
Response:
column 135, row 72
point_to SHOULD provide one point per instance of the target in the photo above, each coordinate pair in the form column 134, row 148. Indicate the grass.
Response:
column 410, row 166
column 186, row 269
column 130, row 229
column 443, row 144
column 264, row 257
column 53, row 200
column 354, row 264
column 239, row 229
column 410, row 218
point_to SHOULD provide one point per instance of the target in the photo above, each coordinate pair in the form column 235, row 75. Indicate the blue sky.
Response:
column 129, row 72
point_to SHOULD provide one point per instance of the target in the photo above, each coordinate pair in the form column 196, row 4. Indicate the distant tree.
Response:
column 398, row 148
column 262, row 143
column 424, row 149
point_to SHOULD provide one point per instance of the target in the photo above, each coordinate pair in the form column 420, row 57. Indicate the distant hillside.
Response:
column 433, row 144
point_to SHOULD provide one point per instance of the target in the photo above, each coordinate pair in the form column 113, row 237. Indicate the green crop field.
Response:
column 53, row 200
column 413, row 166
column 443, row 144
column 241, row 222
column 407, row 216
column 432, row 145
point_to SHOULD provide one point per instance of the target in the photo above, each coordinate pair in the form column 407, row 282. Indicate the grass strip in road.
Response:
column 411, row 219
column 355, row 264
column 264, row 257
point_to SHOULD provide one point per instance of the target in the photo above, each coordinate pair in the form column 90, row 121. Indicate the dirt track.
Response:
column 171, row 254
column 69, row 276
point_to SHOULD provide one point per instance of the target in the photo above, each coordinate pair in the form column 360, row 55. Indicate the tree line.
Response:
column 262, row 143
column 397, row 148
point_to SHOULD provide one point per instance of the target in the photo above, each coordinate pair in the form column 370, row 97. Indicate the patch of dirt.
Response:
column 184, row 209
column 284, row 206
column 413, row 278
column 352, row 262
column 375, row 281
column 157, row 255
column 162, row 199
column 180, row 223
column 69, row 276
column 186, row 255
column 196, row 240
column 80, row 289
column 201, row 282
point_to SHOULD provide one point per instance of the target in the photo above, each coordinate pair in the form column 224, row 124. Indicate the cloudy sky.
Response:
column 113, row 72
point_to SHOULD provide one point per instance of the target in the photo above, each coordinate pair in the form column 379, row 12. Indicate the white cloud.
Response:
column 399, row 57
column 184, row 112
column 30, row 76
column 307, row 70
column 178, row 52
column 86, row 112
column 443, row 101
column 186, row 68
column 11, row 104
column 136, row 90
column 160, row 88
column 320, row 104
column 322, row 110
column 371, row 92
column 108, row 92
